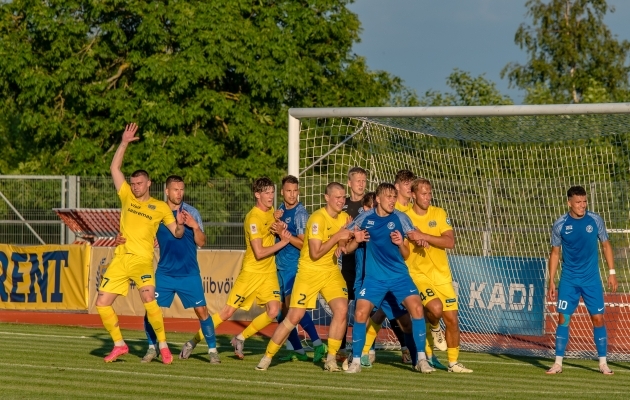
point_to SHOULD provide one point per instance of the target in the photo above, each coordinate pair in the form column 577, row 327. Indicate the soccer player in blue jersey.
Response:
column 577, row 233
column 292, row 215
column 178, row 270
column 386, row 272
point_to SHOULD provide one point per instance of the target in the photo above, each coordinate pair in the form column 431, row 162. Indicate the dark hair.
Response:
column 576, row 191
column 385, row 186
column 356, row 170
column 262, row 183
column 334, row 185
column 173, row 178
column 140, row 172
column 369, row 199
column 290, row 179
column 419, row 182
column 404, row 175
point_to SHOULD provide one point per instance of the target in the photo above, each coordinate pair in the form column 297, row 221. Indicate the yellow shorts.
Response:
column 125, row 268
column 309, row 283
column 429, row 291
column 251, row 285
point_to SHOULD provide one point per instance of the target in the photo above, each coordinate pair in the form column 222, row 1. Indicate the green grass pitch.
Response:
column 56, row 362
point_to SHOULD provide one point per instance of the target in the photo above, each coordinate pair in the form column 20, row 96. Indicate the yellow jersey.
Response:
column 257, row 226
column 139, row 221
column 321, row 226
column 402, row 208
column 433, row 261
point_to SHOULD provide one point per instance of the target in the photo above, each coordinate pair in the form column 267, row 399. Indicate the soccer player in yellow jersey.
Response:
column 139, row 221
column 258, row 279
column 430, row 269
column 318, row 272
column 403, row 180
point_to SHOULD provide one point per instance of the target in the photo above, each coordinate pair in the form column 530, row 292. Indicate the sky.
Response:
column 422, row 41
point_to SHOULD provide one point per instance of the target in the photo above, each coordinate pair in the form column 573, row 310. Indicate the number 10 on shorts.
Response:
column 562, row 304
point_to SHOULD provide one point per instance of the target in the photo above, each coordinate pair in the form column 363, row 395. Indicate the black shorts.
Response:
column 349, row 273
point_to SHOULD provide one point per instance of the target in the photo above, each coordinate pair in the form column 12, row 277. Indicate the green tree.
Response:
column 572, row 55
column 467, row 91
column 209, row 82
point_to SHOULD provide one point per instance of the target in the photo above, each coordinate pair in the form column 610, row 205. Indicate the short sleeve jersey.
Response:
column 139, row 221
column 257, row 226
column 402, row 208
column 383, row 260
column 432, row 262
column 178, row 257
column 321, row 226
column 578, row 239
column 295, row 218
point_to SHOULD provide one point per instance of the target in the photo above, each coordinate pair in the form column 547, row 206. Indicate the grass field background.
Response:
column 57, row 362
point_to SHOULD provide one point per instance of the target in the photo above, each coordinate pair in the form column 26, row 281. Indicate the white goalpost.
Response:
column 501, row 173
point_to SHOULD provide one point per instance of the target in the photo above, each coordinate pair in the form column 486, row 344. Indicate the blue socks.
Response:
column 562, row 338
column 601, row 340
column 207, row 327
column 148, row 330
column 411, row 346
column 419, row 329
column 307, row 324
column 358, row 339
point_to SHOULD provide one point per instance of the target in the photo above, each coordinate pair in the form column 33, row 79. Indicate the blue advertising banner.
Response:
column 503, row 295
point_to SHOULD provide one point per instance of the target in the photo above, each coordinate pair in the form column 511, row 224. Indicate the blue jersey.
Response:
column 295, row 218
column 359, row 256
column 578, row 239
column 383, row 260
column 178, row 257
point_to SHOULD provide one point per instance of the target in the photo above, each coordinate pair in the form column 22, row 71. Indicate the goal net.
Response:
column 502, row 174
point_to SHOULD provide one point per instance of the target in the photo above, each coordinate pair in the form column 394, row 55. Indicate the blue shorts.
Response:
column 399, row 289
column 569, row 298
column 286, row 279
column 188, row 288
column 392, row 308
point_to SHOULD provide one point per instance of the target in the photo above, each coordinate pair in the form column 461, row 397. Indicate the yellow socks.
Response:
column 272, row 349
column 370, row 335
column 333, row 346
column 154, row 315
column 110, row 322
column 452, row 353
column 256, row 325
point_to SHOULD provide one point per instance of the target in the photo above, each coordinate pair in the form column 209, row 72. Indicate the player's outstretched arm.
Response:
column 317, row 249
column 261, row 251
column 554, row 259
column 610, row 261
column 445, row 241
column 129, row 135
column 177, row 227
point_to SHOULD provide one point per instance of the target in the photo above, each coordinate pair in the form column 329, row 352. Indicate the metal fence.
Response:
column 27, row 202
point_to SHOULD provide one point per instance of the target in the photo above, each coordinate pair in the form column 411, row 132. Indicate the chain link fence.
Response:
column 27, row 202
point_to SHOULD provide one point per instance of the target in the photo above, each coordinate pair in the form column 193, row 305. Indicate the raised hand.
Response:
column 278, row 214
column 189, row 220
column 277, row 227
column 180, row 218
column 361, row 235
column 129, row 135
column 396, row 237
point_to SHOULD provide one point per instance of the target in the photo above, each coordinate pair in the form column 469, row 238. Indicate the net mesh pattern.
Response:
column 503, row 182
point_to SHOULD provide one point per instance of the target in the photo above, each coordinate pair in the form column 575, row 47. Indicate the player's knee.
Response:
column 202, row 313
column 434, row 307
column 295, row 315
column 273, row 308
column 564, row 319
column 288, row 324
column 598, row 320
column 361, row 316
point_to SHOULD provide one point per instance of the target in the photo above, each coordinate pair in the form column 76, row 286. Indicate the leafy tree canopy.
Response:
column 572, row 55
column 467, row 91
column 209, row 82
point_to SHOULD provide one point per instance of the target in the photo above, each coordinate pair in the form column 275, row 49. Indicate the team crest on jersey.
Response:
column 315, row 229
column 151, row 206
column 288, row 220
column 589, row 228
column 253, row 229
column 432, row 224
column 390, row 225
